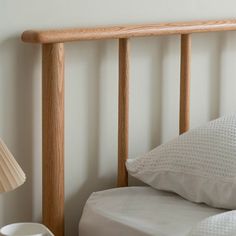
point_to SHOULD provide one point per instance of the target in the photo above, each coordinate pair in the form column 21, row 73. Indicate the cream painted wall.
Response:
column 91, row 90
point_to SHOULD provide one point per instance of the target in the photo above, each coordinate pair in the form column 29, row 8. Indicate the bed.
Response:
column 141, row 211
column 124, row 210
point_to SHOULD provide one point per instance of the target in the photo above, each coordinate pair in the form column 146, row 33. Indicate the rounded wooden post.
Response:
column 184, row 116
column 53, row 137
column 123, row 119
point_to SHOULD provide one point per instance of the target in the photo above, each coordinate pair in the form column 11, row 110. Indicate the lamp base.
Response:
column 26, row 229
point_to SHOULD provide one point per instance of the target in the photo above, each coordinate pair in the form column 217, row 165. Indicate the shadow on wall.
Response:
column 99, row 56
column 210, row 46
column 215, row 77
column 16, row 112
column 91, row 59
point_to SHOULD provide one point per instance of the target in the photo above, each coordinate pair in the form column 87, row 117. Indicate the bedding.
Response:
column 199, row 165
column 140, row 211
column 223, row 224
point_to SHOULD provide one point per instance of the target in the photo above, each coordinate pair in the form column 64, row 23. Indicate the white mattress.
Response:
column 140, row 211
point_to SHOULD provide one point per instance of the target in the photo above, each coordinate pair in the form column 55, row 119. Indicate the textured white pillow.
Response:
column 223, row 224
column 199, row 165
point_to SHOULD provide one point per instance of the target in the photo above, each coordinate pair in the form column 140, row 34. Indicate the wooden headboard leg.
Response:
column 53, row 137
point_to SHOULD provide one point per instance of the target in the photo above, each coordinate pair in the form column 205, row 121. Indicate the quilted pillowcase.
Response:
column 218, row 225
column 199, row 165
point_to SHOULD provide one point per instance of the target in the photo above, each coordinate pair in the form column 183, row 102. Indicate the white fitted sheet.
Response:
column 140, row 211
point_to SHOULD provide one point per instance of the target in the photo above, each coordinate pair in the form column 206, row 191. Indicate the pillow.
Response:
column 199, row 165
column 218, row 225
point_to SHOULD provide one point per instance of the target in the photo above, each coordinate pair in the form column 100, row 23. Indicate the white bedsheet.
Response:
column 140, row 211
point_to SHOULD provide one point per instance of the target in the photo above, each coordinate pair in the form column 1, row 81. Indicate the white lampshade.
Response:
column 11, row 174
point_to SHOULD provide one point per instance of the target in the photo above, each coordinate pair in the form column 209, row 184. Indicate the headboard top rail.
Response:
column 117, row 32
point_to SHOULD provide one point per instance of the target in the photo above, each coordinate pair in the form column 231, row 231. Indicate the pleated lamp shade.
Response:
column 11, row 174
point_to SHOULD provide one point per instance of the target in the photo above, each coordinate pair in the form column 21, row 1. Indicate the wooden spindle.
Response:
column 123, row 119
column 184, row 117
column 53, row 137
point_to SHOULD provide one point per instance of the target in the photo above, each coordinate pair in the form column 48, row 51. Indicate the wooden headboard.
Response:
column 53, row 96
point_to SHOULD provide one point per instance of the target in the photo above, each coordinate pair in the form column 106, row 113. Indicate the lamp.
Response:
column 11, row 174
column 11, row 177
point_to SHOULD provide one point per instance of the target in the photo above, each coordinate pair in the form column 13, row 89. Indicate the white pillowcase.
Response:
column 218, row 225
column 199, row 165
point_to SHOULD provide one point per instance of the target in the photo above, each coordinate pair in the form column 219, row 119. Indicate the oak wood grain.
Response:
column 185, row 74
column 53, row 137
column 123, row 119
column 76, row 34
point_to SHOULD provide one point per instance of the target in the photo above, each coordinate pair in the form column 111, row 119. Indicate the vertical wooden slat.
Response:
column 184, row 117
column 53, row 137
column 123, row 119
